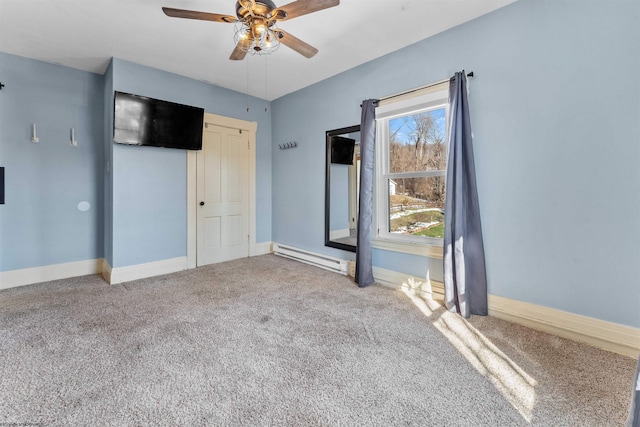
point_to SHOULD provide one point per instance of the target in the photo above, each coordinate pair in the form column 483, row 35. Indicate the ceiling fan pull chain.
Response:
column 266, row 108
column 247, row 62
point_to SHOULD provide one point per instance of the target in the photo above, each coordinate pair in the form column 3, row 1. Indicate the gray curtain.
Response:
column 465, row 277
column 364, row 269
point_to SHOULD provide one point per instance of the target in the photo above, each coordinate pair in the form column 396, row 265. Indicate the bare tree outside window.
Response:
column 417, row 164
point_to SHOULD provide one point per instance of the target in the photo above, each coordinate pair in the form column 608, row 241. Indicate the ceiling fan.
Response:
column 256, row 21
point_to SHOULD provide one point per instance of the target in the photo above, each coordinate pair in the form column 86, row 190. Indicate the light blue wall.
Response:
column 555, row 110
column 40, row 224
column 149, row 184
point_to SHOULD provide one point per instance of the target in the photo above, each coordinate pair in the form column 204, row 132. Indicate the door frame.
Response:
column 192, row 181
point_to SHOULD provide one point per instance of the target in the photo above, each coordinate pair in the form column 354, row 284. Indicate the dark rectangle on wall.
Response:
column 139, row 120
column 2, row 185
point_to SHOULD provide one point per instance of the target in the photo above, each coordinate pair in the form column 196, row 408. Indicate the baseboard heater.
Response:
column 323, row 261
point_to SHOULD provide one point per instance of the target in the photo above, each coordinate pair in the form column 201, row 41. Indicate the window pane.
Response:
column 417, row 142
column 416, row 206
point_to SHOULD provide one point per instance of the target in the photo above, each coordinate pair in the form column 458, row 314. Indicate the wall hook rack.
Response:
column 73, row 138
column 288, row 145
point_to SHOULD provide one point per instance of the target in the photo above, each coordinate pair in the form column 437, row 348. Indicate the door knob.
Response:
column 201, row 203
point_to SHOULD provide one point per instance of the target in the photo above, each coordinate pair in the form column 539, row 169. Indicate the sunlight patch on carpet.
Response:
column 506, row 376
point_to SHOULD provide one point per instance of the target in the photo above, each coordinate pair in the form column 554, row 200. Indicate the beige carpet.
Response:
column 269, row 341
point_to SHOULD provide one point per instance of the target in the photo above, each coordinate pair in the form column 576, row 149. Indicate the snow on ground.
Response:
column 411, row 212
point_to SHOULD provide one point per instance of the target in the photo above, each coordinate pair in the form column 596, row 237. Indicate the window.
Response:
column 411, row 167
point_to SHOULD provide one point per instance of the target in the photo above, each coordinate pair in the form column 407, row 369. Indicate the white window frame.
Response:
column 430, row 98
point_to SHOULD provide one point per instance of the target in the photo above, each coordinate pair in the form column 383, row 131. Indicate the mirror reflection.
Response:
column 342, row 186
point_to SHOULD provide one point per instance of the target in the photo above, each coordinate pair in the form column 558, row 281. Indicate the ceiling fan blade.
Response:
column 241, row 49
column 302, row 7
column 296, row 44
column 238, row 54
column 203, row 16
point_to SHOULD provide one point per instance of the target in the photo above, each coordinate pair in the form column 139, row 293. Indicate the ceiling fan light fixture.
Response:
column 256, row 38
column 258, row 26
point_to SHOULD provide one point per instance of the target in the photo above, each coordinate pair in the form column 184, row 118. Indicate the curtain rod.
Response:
column 469, row 74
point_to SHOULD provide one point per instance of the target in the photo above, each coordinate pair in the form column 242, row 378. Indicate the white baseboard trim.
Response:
column 106, row 271
column 141, row 271
column 609, row 336
column 28, row 276
column 263, row 248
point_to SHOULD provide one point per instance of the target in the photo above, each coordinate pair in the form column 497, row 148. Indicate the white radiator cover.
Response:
column 323, row 261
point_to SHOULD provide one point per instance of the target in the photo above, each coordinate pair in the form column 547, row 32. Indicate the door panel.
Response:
column 236, row 174
column 212, row 151
column 234, row 228
column 223, row 196
column 212, row 237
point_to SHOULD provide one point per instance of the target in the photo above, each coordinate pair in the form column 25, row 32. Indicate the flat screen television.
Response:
column 138, row 120
column 342, row 150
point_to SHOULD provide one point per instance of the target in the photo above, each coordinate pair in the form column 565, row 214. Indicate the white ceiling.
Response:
column 85, row 34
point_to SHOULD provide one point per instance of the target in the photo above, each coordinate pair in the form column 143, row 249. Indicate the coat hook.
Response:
column 73, row 138
column 34, row 137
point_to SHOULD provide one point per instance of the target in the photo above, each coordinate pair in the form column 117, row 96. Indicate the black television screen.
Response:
column 342, row 150
column 138, row 120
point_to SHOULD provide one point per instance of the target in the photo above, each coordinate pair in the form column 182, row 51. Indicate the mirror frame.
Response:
column 327, row 188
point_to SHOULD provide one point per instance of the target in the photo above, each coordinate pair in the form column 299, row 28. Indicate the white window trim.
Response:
column 431, row 97
column 413, row 248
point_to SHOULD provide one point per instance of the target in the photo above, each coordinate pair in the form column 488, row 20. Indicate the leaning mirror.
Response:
column 341, row 187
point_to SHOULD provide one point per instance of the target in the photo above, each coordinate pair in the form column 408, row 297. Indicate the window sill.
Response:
column 422, row 249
